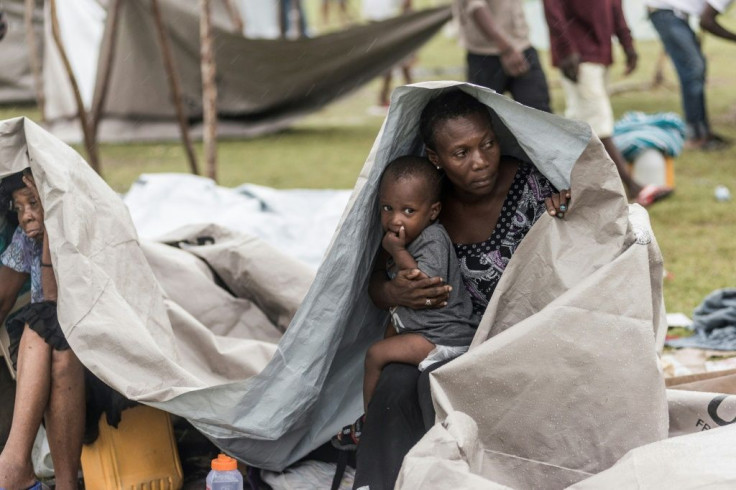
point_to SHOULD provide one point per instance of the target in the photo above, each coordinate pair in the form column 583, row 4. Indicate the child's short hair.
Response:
column 413, row 166
column 449, row 104
column 8, row 185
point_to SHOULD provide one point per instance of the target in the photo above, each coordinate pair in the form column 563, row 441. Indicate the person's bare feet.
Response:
column 15, row 475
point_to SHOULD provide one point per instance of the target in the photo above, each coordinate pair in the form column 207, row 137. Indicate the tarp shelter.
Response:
column 16, row 77
column 563, row 371
column 263, row 84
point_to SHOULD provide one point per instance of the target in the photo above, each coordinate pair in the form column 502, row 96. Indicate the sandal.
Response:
column 652, row 193
column 349, row 436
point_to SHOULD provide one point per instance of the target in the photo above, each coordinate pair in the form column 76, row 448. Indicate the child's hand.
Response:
column 394, row 242
column 557, row 204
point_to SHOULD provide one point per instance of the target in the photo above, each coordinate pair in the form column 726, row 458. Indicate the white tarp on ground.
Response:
column 298, row 222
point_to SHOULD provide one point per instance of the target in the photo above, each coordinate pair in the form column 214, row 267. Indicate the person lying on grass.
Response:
column 409, row 204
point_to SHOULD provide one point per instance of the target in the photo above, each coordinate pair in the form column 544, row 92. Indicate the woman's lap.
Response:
column 399, row 414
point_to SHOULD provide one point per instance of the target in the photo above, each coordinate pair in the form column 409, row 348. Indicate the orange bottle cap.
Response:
column 224, row 463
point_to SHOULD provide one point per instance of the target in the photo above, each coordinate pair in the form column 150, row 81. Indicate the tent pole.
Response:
column 100, row 95
column 89, row 141
column 235, row 16
column 34, row 58
column 174, row 86
column 209, row 89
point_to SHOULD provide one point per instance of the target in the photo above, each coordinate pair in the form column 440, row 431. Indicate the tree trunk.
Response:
column 235, row 16
column 106, row 58
column 209, row 90
column 173, row 78
column 34, row 58
column 89, row 140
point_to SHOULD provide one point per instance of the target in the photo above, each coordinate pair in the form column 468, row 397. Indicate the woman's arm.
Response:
column 11, row 281
column 48, row 278
column 410, row 288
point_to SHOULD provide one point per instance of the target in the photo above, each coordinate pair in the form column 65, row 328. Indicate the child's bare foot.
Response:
column 15, row 474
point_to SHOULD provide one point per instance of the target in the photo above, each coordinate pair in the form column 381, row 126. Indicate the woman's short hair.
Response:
column 449, row 104
column 420, row 167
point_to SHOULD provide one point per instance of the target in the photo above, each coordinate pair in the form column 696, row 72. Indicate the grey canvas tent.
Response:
column 263, row 84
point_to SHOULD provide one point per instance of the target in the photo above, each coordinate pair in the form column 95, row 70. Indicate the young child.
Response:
column 409, row 203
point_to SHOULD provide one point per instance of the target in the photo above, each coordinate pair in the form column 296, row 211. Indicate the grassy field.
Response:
column 327, row 150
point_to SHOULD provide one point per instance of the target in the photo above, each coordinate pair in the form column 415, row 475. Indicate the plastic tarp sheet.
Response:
column 298, row 222
column 263, row 85
column 156, row 322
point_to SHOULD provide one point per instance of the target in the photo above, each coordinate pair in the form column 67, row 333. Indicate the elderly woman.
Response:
column 491, row 202
column 50, row 377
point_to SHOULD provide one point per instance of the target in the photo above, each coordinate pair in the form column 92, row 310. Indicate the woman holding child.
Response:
column 489, row 204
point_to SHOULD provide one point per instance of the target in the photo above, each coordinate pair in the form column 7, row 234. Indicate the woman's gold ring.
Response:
column 428, row 302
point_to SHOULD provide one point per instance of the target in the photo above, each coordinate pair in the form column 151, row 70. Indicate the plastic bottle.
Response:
column 650, row 167
column 224, row 474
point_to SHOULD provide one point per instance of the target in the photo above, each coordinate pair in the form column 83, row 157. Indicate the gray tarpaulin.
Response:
column 262, row 84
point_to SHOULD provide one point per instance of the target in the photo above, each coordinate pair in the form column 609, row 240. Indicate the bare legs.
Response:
column 65, row 417
column 408, row 348
column 52, row 382
column 384, row 94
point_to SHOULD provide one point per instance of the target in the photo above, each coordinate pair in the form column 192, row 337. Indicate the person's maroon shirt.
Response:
column 586, row 27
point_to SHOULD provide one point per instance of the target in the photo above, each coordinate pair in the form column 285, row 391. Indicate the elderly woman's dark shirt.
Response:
column 481, row 264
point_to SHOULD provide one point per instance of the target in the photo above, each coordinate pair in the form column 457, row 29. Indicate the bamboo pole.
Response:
column 34, row 58
column 163, row 42
column 89, row 141
column 235, row 16
column 106, row 58
column 209, row 89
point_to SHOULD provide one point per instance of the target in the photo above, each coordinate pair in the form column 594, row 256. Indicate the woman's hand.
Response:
column 31, row 184
column 557, row 203
column 413, row 289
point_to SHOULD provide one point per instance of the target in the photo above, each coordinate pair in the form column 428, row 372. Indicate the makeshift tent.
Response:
column 16, row 77
column 263, row 84
column 564, row 361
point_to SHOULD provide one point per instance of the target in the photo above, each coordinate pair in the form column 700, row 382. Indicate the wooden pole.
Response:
column 34, row 58
column 209, row 90
column 89, row 141
column 106, row 58
column 235, row 16
column 163, row 42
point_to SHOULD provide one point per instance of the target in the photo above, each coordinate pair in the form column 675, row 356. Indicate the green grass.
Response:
column 328, row 149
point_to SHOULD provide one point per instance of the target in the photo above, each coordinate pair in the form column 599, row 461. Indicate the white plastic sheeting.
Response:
column 298, row 222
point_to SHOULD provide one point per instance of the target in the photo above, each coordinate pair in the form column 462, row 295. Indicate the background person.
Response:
column 378, row 10
column 499, row 54
column 580, row 34
column 491, row 202
column 671, row 21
